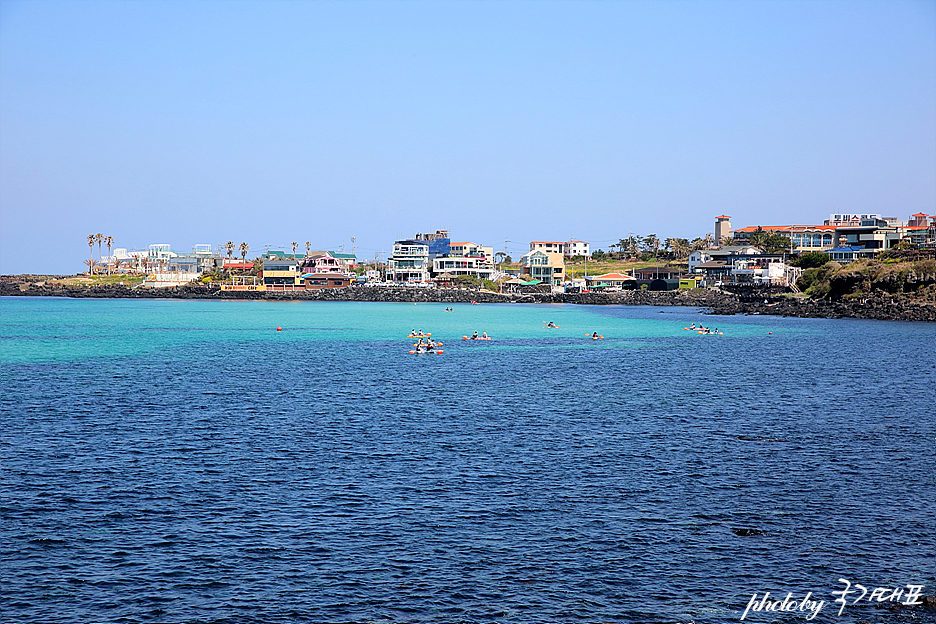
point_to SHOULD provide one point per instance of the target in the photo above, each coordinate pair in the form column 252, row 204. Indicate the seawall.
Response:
column 744, row 301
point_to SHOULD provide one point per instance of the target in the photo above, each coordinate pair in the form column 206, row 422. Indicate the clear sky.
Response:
column 271, row 122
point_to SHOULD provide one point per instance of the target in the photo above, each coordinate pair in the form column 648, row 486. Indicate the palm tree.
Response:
column 758, row 237
column 308, row 248
column 91, row 245
column 229, row 246
column 109, row 241
column 294, row 245
column 99, row 238
column 90, row 264
column 244, row 248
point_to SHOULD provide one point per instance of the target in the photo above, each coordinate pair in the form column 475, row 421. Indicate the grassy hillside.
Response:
column 914, row 280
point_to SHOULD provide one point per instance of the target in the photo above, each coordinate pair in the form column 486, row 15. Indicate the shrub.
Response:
column 809, row 260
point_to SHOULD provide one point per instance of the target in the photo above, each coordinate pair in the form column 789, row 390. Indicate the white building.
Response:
column 566, row 248
column 448, row 267
column 409, row 263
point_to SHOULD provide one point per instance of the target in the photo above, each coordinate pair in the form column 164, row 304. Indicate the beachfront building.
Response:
column 281, row 274
column 345, row 263
column 171, row 269
column 609, row 281
column 656, row 272
column 762, row 269
column 158, row 255
column 546, row 267
column 703, row 256
column 870, row 234
column 409, row 263
column 846, row 253
column 449, row 267
column 128, row 261
column 323, row 262
column 318, row 281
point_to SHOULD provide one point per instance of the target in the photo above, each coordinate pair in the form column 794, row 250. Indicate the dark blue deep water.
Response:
column 185, row 462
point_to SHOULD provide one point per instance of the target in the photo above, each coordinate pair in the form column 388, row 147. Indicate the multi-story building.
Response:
column 463, row 250
column 409, row 263
column 547, row 267
column 921, row 230
column 323, row 262
column 576, row 248
column 872, row 235
column 548, row 246
column 568, row 249
column 803, row 237
column 449, row 267
column 412, row 258
column 281, row 274
column 722, row 228
column 849, row 218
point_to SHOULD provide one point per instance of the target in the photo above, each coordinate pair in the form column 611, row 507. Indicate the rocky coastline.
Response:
column 760, row 301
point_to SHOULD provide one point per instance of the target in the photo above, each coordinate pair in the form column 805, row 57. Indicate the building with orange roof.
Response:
column 608, row 280
column 803, row 237
column 568, row 249
column 470, row 250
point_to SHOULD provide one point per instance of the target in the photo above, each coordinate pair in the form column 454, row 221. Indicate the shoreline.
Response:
column 746, row 301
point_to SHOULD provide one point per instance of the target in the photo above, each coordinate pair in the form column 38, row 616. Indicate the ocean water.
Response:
column 184, row 461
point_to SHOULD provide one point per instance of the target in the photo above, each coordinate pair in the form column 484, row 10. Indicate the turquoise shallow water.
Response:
column 36, row 330
column 183, row 461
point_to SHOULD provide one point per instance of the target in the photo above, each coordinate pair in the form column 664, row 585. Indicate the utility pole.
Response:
column 352, row 245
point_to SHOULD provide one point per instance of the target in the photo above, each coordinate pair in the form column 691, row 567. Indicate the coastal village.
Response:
column 766, row 255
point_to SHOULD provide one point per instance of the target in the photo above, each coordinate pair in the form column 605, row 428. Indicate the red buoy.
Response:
column 279, row 329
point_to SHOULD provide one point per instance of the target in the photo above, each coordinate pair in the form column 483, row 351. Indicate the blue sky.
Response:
column 271, row 122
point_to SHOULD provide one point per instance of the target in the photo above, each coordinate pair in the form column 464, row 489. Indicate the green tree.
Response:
column 244, row 248
column 109, row 241
column 99, row 238
column 810, row 260
column 229, row 247
column 467, row 281
column 91, row 245
column 651, row 244
column 775, row 243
